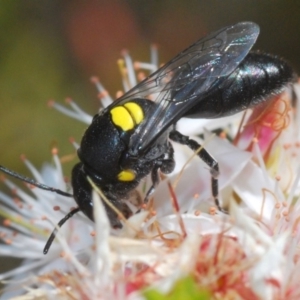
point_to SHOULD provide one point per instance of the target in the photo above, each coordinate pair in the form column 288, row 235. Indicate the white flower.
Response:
column 31, row 217
column 251, row 253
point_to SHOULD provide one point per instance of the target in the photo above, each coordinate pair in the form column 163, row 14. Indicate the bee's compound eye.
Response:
column 126, row 175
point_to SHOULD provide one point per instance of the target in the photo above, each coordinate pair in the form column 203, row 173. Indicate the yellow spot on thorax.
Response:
column 136, row 112
column 122, row 118
column 127, row 116
column 126, row 175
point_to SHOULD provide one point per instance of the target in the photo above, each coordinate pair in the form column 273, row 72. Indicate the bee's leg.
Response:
column 155, row 182
column 206, row 157
column 166, row 165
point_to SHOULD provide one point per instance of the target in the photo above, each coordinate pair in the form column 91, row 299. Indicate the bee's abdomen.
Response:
column 259, row 77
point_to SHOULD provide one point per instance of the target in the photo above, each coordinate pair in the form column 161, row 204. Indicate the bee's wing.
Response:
column 187, row 78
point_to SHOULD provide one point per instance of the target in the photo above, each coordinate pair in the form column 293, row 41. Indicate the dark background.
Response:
column 49, row 49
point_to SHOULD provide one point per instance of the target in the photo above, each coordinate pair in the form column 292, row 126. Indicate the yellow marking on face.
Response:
column 126, row 175
column 122, row 118
column 135, row 111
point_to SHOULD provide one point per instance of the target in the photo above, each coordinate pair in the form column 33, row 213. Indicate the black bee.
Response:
column 215, row 77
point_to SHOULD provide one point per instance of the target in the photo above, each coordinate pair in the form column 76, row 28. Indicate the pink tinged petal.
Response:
column 265, row 124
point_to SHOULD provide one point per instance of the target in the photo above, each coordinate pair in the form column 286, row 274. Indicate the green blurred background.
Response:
column 49, row 49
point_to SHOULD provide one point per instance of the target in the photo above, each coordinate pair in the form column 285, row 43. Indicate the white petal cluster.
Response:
column 250, row 253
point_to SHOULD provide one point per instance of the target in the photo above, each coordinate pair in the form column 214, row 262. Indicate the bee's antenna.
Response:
column 60, row 223
column 33, row 182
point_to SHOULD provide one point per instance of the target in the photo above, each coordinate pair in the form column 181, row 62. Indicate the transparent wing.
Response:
column 188, row 78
